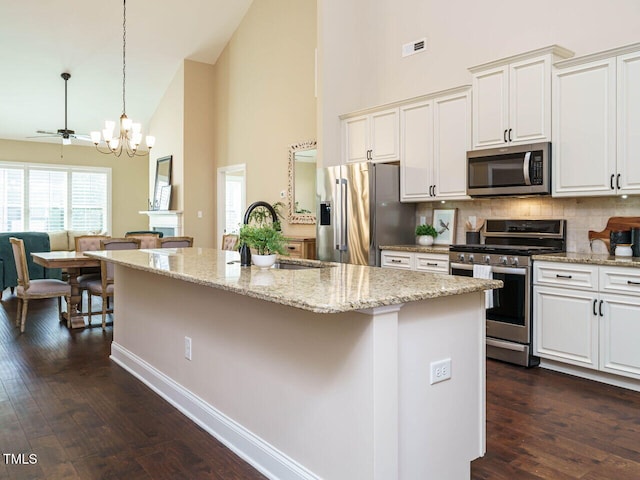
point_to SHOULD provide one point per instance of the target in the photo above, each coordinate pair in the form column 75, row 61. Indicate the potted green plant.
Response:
column 426, row 234
column 266, row 241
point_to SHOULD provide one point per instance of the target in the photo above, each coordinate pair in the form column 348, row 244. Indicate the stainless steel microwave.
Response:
column 514, row 170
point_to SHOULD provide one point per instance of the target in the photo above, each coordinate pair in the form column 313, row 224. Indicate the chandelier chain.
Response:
column 124, row 50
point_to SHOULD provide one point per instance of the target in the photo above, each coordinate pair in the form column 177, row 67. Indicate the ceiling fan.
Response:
column 65, row 133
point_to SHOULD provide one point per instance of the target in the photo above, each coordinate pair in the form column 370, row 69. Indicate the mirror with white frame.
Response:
column 302, row 182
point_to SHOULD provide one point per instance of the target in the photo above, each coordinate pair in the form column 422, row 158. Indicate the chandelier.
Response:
column 129, row 137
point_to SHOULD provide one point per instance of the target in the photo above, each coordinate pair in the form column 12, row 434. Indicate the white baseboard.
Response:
column 603, row 377
column 261, row 455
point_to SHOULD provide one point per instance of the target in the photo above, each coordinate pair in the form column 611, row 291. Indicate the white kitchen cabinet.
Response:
column 372, row 137
column 431, row 262
column 596, row 124
column 417, row 261
column 628, row 122
column 512, row 99
column 399, row 260
column 619, row 334
column 565, row 328
column 435, row 134
column 588, row 315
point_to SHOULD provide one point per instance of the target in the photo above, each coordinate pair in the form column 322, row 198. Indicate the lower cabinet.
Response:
column 417, row 261
column 301, row 247
column 583, row 324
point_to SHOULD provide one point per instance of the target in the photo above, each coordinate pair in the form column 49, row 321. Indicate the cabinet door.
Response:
column 384, row 136
column 530, row 101
column 584, row 135
column 356, row 139
column 565, row 326
column 432, row 262
column 490, row 107
column 452, row 139
column 416, row 141
column 399, row 260
column 619, row 334
column 628, row 73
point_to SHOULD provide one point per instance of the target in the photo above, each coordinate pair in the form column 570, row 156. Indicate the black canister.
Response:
column 473, row 238
column 635, row 240
column 617, row 238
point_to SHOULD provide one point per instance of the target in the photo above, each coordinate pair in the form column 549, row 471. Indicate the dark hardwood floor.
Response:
column 62, row 399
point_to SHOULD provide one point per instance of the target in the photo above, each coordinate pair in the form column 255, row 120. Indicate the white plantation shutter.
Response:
column 11, row 199
column 88, row 201
column 47, row 200
column 51, row 198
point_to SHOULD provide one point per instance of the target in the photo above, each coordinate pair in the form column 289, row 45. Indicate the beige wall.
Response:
column 199, row 169
column 128, row 176
column 167, row 125
column 264, row 96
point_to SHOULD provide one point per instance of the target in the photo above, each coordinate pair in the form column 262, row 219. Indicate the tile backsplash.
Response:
column 582, row 214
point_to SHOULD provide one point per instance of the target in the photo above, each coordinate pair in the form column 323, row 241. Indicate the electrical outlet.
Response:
column 423, row 219
column 440, row 370
column 187, row 348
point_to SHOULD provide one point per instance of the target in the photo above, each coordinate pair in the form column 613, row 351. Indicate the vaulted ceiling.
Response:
column 40, row 39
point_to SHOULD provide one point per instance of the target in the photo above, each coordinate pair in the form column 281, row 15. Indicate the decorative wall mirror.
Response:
column 302, row 182
column 163, row 183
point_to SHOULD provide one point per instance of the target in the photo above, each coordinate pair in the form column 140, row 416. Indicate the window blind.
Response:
column 51, row 198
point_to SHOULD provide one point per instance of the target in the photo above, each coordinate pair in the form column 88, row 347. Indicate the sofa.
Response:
column 33, row 242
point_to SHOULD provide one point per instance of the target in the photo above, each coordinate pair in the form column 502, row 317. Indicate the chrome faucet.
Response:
column 245, row 252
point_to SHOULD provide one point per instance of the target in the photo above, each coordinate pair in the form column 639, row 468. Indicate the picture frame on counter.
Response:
column 444, row 221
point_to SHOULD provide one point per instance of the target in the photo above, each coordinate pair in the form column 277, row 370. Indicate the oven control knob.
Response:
column 487, row 259
column 471, row 258
column 515, row 261
column 503, row 260
column 461, row 257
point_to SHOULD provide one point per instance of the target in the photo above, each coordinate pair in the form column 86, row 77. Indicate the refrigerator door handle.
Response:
column 343, row 215
column 340, row 230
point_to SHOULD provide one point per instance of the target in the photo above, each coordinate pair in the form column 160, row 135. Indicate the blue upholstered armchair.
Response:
column 33, row 242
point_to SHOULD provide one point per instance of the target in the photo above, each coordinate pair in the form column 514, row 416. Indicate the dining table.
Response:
column 72, row 262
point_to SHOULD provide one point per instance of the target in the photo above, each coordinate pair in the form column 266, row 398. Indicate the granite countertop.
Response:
column 589, row 259
column 334, row 288
column 417, row 248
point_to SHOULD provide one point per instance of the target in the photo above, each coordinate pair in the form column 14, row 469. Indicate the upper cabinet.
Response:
column 512, row 98
column 371, row 137
column 435, row 134
column 596, row 124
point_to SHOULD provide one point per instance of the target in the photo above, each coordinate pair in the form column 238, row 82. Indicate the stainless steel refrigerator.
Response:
column 359, row 209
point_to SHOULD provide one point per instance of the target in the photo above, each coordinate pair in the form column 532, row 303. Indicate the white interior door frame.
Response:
column 238, row 169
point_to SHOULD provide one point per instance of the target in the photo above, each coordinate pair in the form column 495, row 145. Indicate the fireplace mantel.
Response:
column 165, row 221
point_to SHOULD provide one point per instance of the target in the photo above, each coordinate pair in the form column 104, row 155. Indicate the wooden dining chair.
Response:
column 147, row 239
column 88, row 243
column 229, row 241
column 176, row 242
column 34, row 289
column 103, row 287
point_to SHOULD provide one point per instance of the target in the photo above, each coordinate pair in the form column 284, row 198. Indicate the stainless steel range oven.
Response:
column 506, row 255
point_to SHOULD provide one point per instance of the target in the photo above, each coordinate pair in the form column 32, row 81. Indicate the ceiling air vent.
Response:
column 416, row 46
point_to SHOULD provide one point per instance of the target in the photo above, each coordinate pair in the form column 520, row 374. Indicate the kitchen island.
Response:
column 311, row 373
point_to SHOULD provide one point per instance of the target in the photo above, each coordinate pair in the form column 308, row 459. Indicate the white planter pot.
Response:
column 425, row 240
column 263, row 261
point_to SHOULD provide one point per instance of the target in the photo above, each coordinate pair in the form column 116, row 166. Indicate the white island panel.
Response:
column 305, row 395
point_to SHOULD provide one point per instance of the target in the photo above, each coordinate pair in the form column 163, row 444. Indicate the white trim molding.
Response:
column 259, row 454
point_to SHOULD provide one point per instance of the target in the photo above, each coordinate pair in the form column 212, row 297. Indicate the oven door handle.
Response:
column 494, row 269
column 509, row 270
column 508, row 345
column 461, row 266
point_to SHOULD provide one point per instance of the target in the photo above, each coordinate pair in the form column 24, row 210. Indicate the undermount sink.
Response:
column 294, row 266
